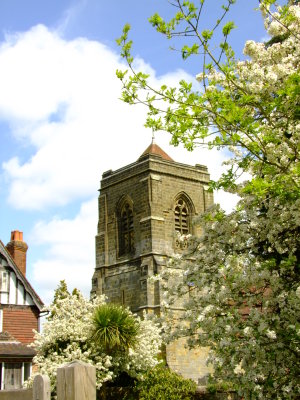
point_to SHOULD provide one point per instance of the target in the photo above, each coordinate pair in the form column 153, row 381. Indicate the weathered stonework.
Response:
column 150, row 186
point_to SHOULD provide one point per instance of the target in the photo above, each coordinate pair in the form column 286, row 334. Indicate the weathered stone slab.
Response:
column 41, row 387
column 76, row 381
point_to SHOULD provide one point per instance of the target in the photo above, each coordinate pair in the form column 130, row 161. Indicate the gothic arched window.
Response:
column 181, row 217
column 126, row 238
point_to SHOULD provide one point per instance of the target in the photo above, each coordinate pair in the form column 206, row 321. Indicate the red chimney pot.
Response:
column 18, row 249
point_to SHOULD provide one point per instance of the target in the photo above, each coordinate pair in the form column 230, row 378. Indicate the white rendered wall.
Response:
column 28, row 300
column 12, row 288
column 21, row 294
column 14, row 292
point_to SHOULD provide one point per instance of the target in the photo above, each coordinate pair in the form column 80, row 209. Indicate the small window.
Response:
column 181, row 217
column 4, row 281
column 12, row 376
column 27, row 371
column 126, row 242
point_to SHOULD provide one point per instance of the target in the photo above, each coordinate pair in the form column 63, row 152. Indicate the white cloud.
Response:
column 71, row 251
column 62, row 98
column 31, row 74
column 71, row 15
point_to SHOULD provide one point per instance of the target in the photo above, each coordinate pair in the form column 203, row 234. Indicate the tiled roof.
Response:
column 156, row 150
column 15, row 349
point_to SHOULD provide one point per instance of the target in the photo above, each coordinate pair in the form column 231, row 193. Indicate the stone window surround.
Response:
column 125, row 227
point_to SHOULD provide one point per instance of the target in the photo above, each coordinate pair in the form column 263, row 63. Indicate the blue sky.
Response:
column 62, row 124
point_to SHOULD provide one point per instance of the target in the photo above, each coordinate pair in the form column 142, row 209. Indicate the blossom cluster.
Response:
column 239, row 288
column 239, row 281
column 66, row 336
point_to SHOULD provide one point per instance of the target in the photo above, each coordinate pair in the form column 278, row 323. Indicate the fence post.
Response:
column 76, row 381
column 41, row 387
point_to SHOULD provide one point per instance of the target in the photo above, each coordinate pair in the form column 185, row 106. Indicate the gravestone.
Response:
column 76, row 381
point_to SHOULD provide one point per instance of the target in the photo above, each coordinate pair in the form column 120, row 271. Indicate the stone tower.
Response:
column 142, row 208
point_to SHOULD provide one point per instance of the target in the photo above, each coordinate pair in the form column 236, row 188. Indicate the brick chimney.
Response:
column 17, row 249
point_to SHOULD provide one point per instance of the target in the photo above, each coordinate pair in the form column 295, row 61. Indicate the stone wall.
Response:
column 113, row 393
column 151, row 186
column 22, row 394
column 188, row 363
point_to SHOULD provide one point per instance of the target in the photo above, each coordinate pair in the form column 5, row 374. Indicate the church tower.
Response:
column 142, row 208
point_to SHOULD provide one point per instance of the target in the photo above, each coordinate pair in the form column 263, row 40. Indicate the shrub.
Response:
column 160, row 383
column 114, row 328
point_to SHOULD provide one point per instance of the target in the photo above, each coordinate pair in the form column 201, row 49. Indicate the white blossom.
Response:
column 244, row 266
column 65, row 338
column 247, row 330
column 271, row 334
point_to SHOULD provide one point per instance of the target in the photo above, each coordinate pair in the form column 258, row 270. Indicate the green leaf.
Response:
column 121, row 74
column 227, row 28
column 207, row 34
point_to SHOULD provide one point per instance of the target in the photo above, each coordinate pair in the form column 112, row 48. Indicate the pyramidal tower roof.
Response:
column 153, row 148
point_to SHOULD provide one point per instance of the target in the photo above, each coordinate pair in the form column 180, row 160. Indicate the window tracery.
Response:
column 126, row 240
column 182, row 216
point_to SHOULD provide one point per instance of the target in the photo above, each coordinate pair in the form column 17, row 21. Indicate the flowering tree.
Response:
column 240, row 279
column 67, row 336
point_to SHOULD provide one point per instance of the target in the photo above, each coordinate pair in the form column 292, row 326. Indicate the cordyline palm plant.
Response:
column 115, row 328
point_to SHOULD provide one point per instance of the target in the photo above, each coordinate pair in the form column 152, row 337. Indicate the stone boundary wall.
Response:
column 20, row 394
column 113, row 393
column 77, row 381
